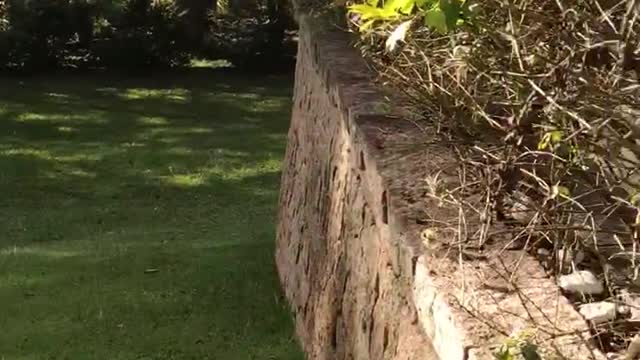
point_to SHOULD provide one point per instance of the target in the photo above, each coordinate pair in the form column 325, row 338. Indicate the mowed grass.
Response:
column 137, row 217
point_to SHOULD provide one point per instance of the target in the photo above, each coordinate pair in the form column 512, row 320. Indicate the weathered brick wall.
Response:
column 360, row 281
column 348, row 283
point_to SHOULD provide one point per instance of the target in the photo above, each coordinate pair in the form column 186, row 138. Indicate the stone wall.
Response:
column 360, row 280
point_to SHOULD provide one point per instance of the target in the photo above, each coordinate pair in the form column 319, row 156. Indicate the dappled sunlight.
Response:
column 179, row 96
column 39, row 153
column 180, row 150
column 234, row 96
column 245, row 172
column 229, row 172
column 37, row 251
column 162, row 131
column 153, row 120
column 69, row 171
column 67, row 129
column 50, row 155
column 108, row 91
column 57, row 95
column 138, row 214
column 221, row 153
column 134, row 144
column 169, row 140
column 93, row 118
column 188, row 180
column 212, row 64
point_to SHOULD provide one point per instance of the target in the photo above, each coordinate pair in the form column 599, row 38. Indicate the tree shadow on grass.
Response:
column 138, row 218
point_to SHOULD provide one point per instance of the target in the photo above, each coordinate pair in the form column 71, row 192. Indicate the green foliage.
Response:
column 44, row 34
column 142, row 35
column 550, row 139
column 373, row 11
column 39, row 35
column 441, row 15
column 36, row 31
column 256, row 39
column 518, row 347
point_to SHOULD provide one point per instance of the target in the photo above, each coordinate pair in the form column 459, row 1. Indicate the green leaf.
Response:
column 436, row 19
column 451, row 10
column 408, row 7
column 559, row 190
column 556, row 136
column 361, row 8
column 365, row 26
column 368, row 12
column 550, row 138
column 504, row 353
column 402, row 6
column 544, row 142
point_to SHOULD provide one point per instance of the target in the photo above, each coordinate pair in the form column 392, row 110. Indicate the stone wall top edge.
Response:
column 368, row 109
column 345, row 71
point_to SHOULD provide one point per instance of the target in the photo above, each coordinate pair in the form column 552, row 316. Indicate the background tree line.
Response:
column 38, row 35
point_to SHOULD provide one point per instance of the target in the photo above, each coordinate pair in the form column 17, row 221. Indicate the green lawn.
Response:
column 137, row 217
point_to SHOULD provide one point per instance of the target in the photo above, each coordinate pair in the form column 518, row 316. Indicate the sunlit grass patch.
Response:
column 170, row 95
column 37, row 251
column 137, row 219
column 212, row 64
column 62, row 118
column 153, row 120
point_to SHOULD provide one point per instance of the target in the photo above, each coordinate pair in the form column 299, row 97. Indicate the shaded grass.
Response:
column 137, row 217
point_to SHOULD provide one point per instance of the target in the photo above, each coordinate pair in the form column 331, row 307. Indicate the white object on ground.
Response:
column 599, row 312
column 398, row 35
column 583, row 281
column 631, row 305
column 542, row 252
column 633, row 351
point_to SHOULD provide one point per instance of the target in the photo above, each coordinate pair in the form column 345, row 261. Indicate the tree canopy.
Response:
column 45, row 34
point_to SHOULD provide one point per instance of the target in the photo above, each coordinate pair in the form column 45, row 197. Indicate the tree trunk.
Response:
column 196, row 19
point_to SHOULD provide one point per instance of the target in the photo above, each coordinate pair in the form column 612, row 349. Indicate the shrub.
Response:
column 45, row 34
column 259, row 39
column 541, row 102
column 36, row 32
column 142, row 35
